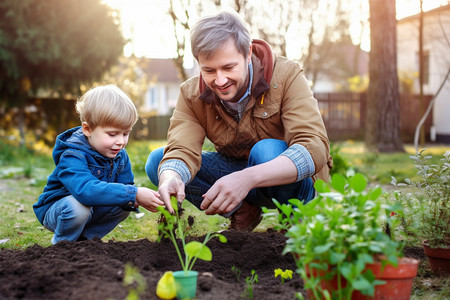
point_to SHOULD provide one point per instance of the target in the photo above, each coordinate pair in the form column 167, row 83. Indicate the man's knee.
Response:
column 152, row 164
column 266, row 150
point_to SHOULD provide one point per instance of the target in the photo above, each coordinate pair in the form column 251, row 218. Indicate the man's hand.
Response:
column 148, row 199
column 226, row 193
column 170, row 184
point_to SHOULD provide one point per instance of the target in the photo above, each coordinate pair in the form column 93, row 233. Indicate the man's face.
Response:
column 225, row 71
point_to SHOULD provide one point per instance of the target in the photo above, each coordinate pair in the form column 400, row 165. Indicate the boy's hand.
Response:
column 148, row 199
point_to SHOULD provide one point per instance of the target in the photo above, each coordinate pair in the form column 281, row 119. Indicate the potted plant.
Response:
column 339, row 243
column 422, row 209
column 175, row 229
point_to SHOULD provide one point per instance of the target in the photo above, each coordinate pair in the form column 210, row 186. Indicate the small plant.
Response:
column 249, row 281
column 337, row 234
column 174, row 227
column 286, row 274
column 237, row 272
column 134, row 282
column 422, row 206
column 340, row 165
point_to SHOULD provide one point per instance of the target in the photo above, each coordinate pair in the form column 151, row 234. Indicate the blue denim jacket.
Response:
column 93, row 179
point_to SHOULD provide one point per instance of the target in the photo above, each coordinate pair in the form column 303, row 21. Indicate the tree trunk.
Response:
column 421, row 74
column 383, row 105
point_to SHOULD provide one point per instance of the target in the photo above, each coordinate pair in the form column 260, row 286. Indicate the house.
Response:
column 162, row 94
column 436, row 49
column 333, row 70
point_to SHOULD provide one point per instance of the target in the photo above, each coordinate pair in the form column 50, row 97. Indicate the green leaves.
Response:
column 171, row 226
column 197, row 249
column 57, row 44
column 339, row 233
column 421, row 207
column 358, row 183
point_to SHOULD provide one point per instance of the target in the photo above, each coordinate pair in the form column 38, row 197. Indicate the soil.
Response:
column 94, row 269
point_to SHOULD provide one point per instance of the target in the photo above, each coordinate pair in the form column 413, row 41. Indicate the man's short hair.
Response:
column 212, row 32
column 107, row 106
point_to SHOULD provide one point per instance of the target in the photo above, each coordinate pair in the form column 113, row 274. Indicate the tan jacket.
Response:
column 285, row 110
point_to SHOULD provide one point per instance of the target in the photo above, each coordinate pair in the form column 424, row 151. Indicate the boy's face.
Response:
column 225, row 71
column 108, row 141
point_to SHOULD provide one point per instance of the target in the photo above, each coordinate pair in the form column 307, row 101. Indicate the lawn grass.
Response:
column 23, row 173
column 379, row 167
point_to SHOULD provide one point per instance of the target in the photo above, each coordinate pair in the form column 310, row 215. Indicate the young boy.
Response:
column 91, row 189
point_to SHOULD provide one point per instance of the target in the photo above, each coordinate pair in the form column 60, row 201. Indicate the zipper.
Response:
column 112, row 168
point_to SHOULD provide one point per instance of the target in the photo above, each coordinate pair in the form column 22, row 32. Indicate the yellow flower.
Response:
column 287, row 274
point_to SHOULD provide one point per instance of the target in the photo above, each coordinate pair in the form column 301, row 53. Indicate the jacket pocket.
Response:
column 97, row 171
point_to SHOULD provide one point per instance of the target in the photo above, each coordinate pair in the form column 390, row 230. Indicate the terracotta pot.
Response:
column 439, row 259
column 399, row 281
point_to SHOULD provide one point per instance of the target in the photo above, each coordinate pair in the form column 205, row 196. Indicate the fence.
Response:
column 344, row 115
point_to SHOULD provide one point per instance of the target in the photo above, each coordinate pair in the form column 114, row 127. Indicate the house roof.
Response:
column 346, row 60
column 429, row 12
column 163, row 69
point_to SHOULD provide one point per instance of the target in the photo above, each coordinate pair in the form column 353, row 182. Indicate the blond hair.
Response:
column 107, row 105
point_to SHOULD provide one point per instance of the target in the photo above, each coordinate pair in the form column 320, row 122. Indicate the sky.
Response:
column 147, row 25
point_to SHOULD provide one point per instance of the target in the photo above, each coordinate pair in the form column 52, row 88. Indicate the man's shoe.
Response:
column 246, row 218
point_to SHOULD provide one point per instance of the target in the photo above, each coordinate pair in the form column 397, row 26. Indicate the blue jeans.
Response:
column 69, row 220
column 215, row 165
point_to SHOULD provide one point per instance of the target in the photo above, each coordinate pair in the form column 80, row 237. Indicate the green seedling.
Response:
column 249, row 281
column 237, row 272
column 173, row 227
column 134, row 282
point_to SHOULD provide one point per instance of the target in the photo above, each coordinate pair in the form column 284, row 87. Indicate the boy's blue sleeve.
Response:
column 76, row 176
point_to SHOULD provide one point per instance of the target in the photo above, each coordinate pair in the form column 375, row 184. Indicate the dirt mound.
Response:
column 95, row 269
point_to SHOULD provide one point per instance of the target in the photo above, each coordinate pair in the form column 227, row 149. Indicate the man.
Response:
column 258, row 111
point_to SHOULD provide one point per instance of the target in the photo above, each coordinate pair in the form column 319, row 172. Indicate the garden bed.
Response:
column 95, row 269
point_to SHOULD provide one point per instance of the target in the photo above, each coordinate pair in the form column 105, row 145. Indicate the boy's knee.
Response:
column 152, row 164
column 80, row 213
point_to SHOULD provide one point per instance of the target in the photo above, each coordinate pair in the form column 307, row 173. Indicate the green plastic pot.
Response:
column 185, row 284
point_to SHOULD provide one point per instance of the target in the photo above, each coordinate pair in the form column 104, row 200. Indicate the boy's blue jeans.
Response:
column 69, row 220
column 215, row 165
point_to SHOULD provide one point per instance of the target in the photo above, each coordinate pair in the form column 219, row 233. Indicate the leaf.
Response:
column 336, row 258
column 321, row 186
column 358, row 182
column 375, row 193
column 197, row 249
column 322, row 248
column 338, row 182
column 174, row 202
column 361, row 284
column 222, row 238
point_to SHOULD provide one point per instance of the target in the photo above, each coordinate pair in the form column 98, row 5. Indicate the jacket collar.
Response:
column 262, row 60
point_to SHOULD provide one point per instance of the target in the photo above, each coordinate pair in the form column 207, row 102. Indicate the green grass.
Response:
column 23, row 174
column 379, row 167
